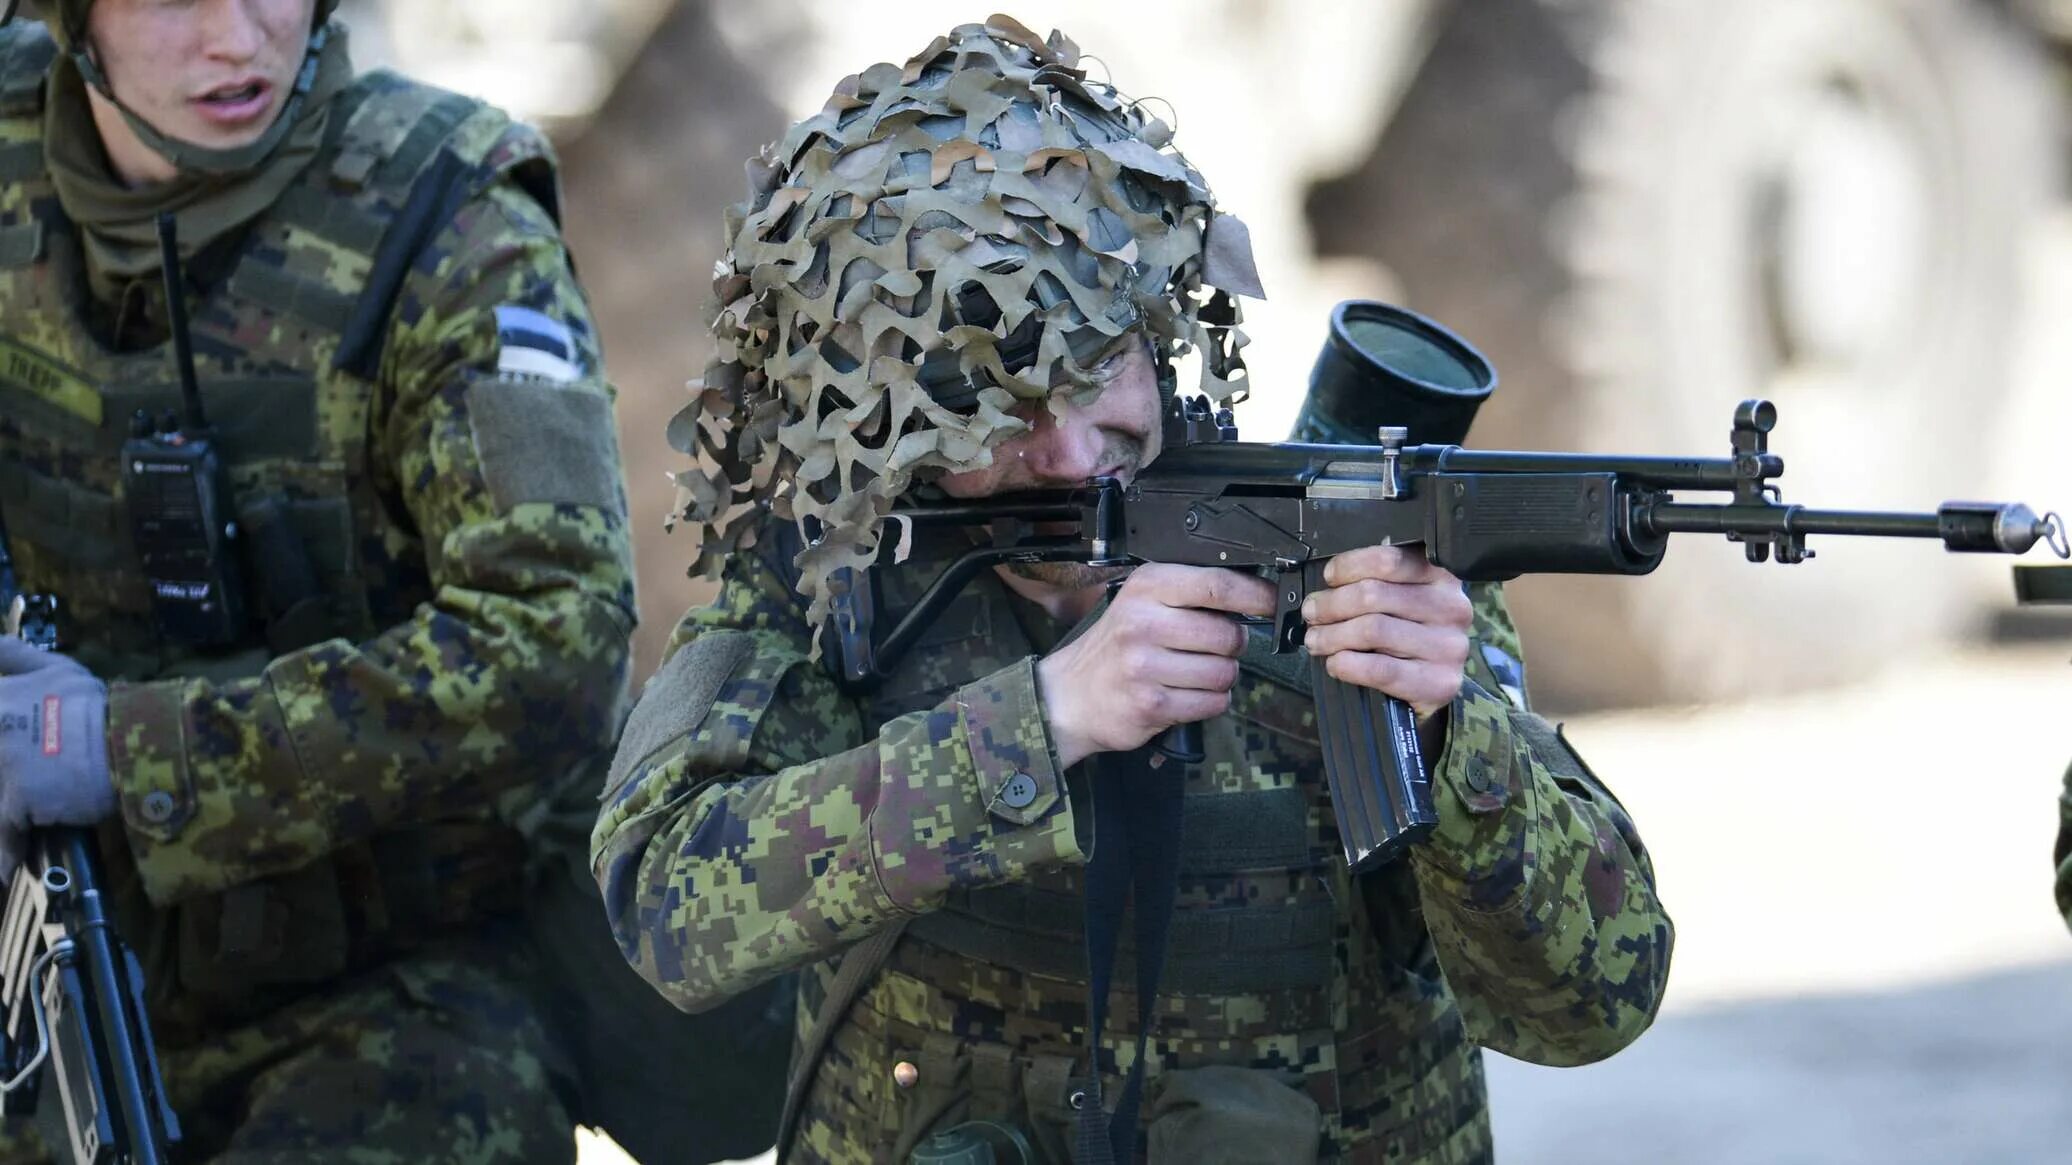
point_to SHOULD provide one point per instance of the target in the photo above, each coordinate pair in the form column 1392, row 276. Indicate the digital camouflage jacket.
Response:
column 292, row 811
column 760, row 819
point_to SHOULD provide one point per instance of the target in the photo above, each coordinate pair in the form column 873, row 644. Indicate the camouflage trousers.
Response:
column 432, row 1058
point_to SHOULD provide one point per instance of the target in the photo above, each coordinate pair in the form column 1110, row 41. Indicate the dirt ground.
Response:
column 1869, row 966
column 1972, row 1070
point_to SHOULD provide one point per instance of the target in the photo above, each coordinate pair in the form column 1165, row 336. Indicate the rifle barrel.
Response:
column 1766, row 519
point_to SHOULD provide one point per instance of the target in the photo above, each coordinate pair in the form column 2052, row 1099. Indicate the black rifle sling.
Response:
column 1137, row 821
column 1137, row 827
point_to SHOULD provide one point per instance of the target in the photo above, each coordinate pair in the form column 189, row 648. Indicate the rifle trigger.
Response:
column 1289, row 591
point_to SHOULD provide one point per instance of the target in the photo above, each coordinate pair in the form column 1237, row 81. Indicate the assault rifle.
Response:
column 1283, row 510
column 72, row 1019
column 72, row 1001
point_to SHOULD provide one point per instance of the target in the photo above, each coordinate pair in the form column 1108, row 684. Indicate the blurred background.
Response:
column 1643, row 211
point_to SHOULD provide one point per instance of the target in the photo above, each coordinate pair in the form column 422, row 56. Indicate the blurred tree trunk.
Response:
column 642, row 188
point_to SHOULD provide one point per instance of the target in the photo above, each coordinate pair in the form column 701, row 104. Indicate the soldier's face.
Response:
column 214, row 73
column 1114, row 435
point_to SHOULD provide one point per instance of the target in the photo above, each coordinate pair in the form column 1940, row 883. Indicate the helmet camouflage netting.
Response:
column 939, row 243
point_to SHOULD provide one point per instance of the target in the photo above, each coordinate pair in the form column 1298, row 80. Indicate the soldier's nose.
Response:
column 1068, row 452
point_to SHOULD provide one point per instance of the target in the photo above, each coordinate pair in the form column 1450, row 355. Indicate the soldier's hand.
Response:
column 53, row 743
column 1163, row 653
column 1391, row 621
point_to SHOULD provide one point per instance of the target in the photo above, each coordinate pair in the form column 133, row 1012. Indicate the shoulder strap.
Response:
column 860, row 964
column 387, row 128
column 421, row 152
column 26, row 51
column 433, row 201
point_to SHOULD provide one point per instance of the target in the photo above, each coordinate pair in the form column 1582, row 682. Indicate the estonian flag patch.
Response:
column 530, row 343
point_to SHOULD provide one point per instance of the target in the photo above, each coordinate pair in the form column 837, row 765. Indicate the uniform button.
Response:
column 158, row 807
column 1018, row 791
column 1478, row 776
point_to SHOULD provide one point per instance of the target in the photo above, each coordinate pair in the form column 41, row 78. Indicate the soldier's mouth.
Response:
column 236, row 103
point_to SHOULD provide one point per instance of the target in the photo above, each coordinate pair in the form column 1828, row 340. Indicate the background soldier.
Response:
column 971, row 274
column 319, row 829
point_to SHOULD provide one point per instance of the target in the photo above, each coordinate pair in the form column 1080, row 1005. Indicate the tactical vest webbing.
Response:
column 289, row 321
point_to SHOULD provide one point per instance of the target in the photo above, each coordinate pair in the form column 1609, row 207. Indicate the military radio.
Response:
column 179, row 498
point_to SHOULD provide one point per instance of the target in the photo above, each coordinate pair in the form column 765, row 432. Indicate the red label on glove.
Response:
column 51, row 742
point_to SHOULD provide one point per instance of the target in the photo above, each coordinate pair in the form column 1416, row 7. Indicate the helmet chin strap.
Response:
column 189, row 158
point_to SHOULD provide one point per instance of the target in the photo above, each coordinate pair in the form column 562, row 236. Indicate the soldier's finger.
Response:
column 1391, row 636
column 1193, row 671
column 1211, row 588
column 20, row 657
column 1165, row 707
column 1149, row 621
column 1437, row 605
column 1426, row 687
column 1403, row 564
column 1208, row 632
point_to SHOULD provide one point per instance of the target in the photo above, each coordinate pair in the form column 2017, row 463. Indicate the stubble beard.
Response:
column 1067, row 576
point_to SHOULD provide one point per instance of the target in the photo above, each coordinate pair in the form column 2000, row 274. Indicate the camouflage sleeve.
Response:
column 1537, row 890
column 506, row 478
column 750, row 825
column 2063, row 852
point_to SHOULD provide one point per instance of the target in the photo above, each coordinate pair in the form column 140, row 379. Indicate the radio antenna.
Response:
column 176, row 319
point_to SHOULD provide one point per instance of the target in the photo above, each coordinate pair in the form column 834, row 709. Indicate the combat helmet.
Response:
column 943, row 241
column 66, row 20
column 69, row 25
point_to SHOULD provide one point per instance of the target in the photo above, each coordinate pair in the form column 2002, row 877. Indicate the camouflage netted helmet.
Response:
column 945, row 239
